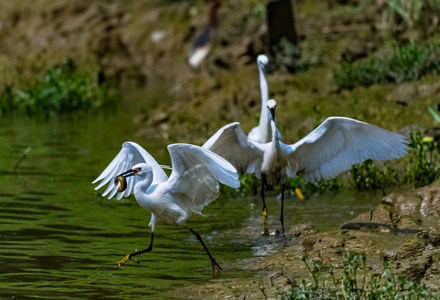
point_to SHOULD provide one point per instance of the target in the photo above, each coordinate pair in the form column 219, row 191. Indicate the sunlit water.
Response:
column 60, row 239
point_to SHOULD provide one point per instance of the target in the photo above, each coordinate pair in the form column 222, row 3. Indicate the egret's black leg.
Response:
column 215, row 265
column 265, row 227
column 130, row 256
column 255, row 187
column 283, row 187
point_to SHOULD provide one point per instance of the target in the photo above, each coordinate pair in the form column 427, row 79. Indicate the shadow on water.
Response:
column 61, row 240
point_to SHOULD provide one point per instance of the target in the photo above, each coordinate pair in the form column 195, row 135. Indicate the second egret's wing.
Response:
column 196, row 173
column 130, row 154
column 339, row 143
column 231, row 143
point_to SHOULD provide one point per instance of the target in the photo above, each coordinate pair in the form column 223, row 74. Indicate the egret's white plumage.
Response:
column 231, row 143
column 193, row 183
column 333, row 147
column 263, row 132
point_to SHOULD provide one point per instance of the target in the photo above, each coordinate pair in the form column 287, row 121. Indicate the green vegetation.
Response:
column 355, row 281
column 59, row 89
column 367, row 176
column 259, row 9
column 423, row 167
column 424, row 162
column 409, row 62
column 290, row 58
column 414, row 13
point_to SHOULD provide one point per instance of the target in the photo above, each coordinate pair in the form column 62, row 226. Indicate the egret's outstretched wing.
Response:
column 339, row 143
column 231, row 143
column 196, row 173
column 130, row 154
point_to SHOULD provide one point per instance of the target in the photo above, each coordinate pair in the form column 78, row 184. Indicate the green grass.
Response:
column 408, row 62
column 62, row 88
column 355, row 281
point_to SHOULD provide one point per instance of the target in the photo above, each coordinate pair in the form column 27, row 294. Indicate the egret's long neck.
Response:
column 140, row 188
column 264, row 126
column 273, row 126
column 271, row 162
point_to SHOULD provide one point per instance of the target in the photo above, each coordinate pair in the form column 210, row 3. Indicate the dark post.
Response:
column 281, row 24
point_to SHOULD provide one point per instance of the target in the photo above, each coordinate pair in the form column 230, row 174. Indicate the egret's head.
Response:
column 138, row 169
column 271, row 105
column 263, row 62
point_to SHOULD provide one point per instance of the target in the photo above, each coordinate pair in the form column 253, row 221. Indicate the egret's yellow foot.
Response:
column 299, row 194
column 216, row 267
column 265, row 227
column 125, row 259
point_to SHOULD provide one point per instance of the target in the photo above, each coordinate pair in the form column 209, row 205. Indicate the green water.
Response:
column 61, row 240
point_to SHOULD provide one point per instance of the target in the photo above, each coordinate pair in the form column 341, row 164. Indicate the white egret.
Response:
column 193, row 184
column 333, row 147
column 263, row 132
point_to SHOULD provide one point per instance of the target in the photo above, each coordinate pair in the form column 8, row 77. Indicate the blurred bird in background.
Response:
column 203, row 44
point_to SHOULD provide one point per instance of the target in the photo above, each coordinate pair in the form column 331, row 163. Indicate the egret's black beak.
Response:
column 128, row 173
column 272, row 113
column 268, row 69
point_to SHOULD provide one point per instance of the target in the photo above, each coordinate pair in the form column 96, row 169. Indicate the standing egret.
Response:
column 193, row 184
column 203, row 43
column 333, row 147
column 263, row 132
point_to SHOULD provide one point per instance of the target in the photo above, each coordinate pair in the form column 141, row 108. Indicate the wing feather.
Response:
column 232, row 144
column 196, row 173
column 130, row 154
column 339, row 143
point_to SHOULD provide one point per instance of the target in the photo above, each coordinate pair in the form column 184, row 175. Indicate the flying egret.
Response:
column 193, row 184
column 333, row 147
column 203, row 43
column 263, row 132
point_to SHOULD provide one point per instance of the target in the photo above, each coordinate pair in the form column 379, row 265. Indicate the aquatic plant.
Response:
column 355, row 281
column 61, row 88
column 408, row 62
